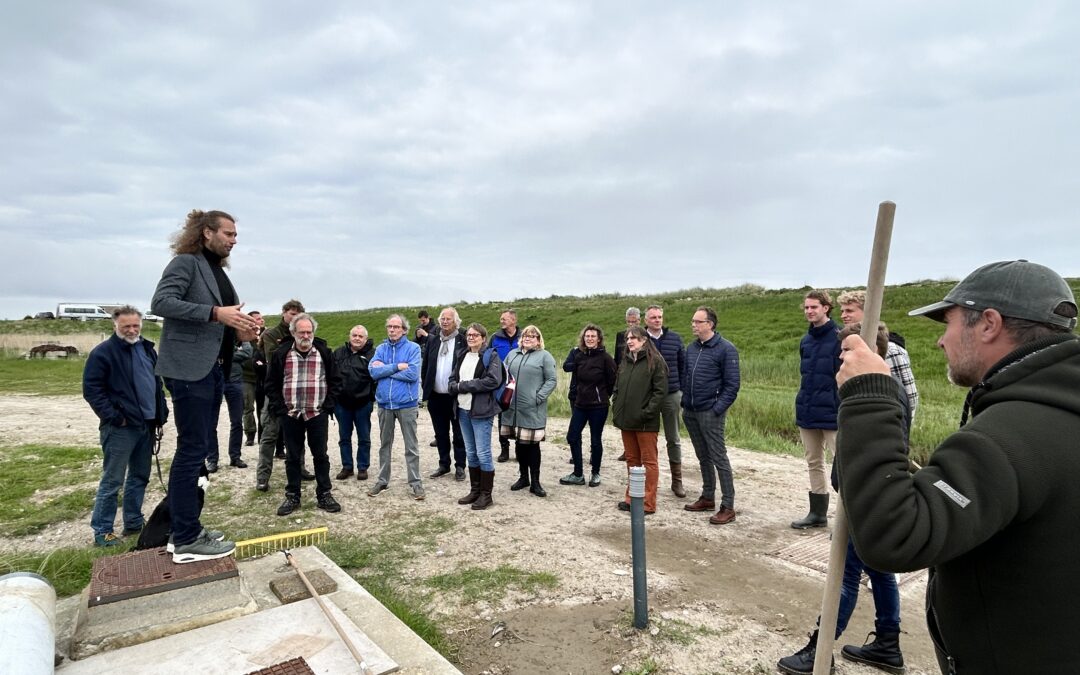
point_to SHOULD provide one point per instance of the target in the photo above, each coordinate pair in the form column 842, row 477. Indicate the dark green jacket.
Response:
column 639, row 393
column 995, row 513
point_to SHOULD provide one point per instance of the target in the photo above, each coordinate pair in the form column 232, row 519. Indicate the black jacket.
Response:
column 357, row 387
column 430, row 356
column 592, row 377
column 275, row 377
column 109, row 386
column 482, row 387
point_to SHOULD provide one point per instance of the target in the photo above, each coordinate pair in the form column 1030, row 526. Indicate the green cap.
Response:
column 1015, row 288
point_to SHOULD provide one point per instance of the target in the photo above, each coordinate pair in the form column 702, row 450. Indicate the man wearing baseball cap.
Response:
column 995, row 514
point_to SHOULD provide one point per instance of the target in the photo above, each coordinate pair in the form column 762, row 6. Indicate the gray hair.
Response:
column 402, row 319
column 656, row 307
column 126, row 309
column 303, row 316
column 457, row 317
column 633, row 311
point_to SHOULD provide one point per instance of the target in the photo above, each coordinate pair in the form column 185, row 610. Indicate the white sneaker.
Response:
column 203, row 548
column 214, row 535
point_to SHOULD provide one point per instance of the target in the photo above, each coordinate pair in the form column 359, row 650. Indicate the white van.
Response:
column 77, row 311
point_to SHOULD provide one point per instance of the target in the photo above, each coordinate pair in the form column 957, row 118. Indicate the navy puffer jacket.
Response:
column 819, row 360
column 670, row 347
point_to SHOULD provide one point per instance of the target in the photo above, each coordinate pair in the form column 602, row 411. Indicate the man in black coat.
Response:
column 443, row 347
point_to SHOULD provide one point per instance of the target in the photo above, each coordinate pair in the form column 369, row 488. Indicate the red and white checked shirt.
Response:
column 305, row 383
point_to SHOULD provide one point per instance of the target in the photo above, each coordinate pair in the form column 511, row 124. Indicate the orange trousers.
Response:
column 640, row 447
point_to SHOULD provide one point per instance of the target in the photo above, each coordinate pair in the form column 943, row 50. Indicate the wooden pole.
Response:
column 364, row 670
column 875, row 287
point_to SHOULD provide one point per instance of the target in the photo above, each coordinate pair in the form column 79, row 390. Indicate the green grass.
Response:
column 646, row 667
column 42, row 484
column 478, row 583
column 67, row 569
column 41, row 376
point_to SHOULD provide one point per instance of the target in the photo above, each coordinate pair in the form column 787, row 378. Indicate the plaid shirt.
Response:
column 900, row 365
column 304, row 389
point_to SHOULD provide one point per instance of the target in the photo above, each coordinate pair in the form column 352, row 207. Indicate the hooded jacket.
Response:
column 994, row 513
column 639, row 393
column 534, row 371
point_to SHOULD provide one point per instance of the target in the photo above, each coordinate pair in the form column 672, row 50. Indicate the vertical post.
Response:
column 875, row 288
column 637, row 540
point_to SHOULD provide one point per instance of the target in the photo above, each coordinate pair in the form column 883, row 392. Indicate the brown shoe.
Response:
column 361, row 474
column 722, row 517
column 701, row 504
column 344, row 473
column 622, row 457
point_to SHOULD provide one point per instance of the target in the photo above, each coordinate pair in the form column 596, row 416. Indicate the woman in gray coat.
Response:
column 533, row 369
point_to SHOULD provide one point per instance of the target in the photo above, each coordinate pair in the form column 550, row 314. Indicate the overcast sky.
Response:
column 421, row 153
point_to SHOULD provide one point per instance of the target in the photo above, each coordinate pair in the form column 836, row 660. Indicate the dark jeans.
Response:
column 595, row 418
column 293, row 431
column 883, row 586
column 234, row 400
column 195, row 414
column 441, row 409
column 127, row 451
column 359, row 419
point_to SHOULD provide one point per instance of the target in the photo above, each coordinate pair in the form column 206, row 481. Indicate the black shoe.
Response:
column 521, row 483
column 288, row 506
column 623, row 506
column 306, row 475
column 459, row 473
column 537, row 489
column 238, row 463
column 434, row 444
column 883, row 653
column 441, row 471
column 131, row 531
column 279, row 455
column 262, row 486
column 802, row 661
column 328, row 503
column 211, row 467
column 250, row 439
column 504, row 455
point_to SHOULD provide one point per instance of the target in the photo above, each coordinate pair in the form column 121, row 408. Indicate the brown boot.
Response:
column 474, row 482
column 676, row 480
column 701, row 504
column 487, row 482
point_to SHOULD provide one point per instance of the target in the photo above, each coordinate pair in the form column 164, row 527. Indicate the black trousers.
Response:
column 443, row 419
column 294, row 430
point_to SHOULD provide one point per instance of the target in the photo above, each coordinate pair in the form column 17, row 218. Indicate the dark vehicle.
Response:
column 44, row 315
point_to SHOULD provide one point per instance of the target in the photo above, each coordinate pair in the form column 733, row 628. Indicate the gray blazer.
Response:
column 185, row 296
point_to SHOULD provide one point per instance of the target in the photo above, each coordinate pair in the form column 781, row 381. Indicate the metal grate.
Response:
column 812, row 552
column 139, row 573
column 297, row 666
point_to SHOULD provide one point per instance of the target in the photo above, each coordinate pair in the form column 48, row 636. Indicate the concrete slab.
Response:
column 247, row 644
column 291, row 588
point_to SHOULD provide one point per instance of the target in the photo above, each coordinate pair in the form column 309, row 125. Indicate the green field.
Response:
column 765, row 325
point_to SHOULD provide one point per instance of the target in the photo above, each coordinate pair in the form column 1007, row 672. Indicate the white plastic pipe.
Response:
column 27, row 624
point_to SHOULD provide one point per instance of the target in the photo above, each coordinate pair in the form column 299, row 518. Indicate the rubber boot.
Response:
column 523, row 468
column 487, row 482
column 474, row 483
column 534, row 470
column 883, row 653
column 818, row 516
column 802, row 661
column 676, row 480
column 504, row 449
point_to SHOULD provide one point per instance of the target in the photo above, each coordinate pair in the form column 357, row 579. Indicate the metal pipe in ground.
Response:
column 637, row 541
column 27, row 624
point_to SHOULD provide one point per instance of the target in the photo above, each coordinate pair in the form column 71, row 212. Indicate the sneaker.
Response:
column 107, row 539
column 262, row 485
column 418, row 493
column 290, row 504
column 594, row 480
column 213, row 535
column 571, row 479
column 211, row 467
column 377, row 488
column 328, row 503
column 345, row 472
column 238, row 463
column 361, row 474
column 203, row 548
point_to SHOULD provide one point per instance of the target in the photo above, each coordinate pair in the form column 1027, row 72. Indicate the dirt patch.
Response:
column 718, row 602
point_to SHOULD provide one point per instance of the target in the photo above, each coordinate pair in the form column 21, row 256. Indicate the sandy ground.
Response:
column 740, row 607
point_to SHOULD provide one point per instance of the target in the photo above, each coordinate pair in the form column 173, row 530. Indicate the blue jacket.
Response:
column 711, row 375
column 670, row 347
column 504, row 344
column 109, row 386
column 819, row 360
column 396, row 389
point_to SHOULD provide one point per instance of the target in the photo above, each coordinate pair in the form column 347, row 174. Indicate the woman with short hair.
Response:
column 475, row 376
column 533, row 369
column 640, row 389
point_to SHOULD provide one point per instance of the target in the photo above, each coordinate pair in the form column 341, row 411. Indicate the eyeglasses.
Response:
column 700, row 321
column 473, row 335
column 398, row 326
column 530, row 336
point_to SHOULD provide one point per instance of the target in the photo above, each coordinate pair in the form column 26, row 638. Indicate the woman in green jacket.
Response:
column 533, row 369
column 640, row 389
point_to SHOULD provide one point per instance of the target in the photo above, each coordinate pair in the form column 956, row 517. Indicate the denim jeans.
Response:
column 127, row 449
column 477, row 433
column 195, row 412
column 294, row 431
column 883, row 586
column 234, row 401
column 359, row 419
column 595, row 418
